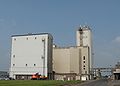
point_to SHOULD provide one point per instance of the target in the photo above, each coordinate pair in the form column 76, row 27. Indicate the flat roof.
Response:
column 30, row 34
column 57, row 47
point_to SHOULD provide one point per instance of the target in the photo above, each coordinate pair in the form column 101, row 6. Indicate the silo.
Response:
column 84, row 38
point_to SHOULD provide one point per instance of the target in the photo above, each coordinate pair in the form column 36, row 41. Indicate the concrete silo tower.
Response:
column 84, row 38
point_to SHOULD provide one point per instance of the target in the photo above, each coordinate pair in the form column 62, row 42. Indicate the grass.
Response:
column 35, row 82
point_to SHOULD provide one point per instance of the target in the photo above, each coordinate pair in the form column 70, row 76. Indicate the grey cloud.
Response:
column 116, row 40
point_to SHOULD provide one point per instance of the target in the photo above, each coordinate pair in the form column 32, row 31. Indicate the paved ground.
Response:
column 102, row 82
column 114, row 83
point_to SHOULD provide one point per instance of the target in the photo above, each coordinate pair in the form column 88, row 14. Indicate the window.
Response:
column 43, row 40
column 34, row 64
column 13, row 64
column 83, row 57
column 83, row 61
column 13, row 56
column 27, row 38
column 25, row 64
column 14, row 39
column 35, row 37
column 84, row 66
column 85, row 72
column 42, row 57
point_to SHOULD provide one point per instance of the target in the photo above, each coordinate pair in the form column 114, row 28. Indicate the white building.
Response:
column 84, row 38
column 30, row 54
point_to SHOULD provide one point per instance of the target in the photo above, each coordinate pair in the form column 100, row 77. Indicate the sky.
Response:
column 62, row 18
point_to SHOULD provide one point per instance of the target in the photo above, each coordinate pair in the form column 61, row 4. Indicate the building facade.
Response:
column 30, row 54
column 71, row 63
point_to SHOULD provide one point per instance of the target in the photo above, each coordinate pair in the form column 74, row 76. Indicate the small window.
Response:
column 42, row 57
column 13, row 56
column 83, row 61
column 34, row 64
column 85, row 72
column 27, row 38
column 83, row 57
column 84, row 68
column 13, row 64
column 14, row 39
column 35, row 37
column 43, row 40
column 25, row 64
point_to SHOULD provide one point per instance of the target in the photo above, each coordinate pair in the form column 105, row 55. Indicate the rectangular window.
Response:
column 83, row 57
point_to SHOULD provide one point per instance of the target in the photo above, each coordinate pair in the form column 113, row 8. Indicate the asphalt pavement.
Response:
column 114, row 83
column 102, row 82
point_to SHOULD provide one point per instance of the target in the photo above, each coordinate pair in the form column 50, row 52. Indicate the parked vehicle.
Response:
column 38, row 76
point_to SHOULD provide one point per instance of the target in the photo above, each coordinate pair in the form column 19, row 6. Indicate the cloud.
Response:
column 117, row 39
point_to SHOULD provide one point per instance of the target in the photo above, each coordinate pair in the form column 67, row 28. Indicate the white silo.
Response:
column 84, row 38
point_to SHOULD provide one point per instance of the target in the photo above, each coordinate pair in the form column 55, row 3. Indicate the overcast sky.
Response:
column 62, row 18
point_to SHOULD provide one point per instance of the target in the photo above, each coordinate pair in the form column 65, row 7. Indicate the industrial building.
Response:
column 35, row 53
column 30, row 54
column 71, row 63
column 116, row 72
column 75, row 63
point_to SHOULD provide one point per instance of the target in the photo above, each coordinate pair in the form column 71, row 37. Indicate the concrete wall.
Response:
column 61, row 60
column 74, row 60
column 69, row 62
